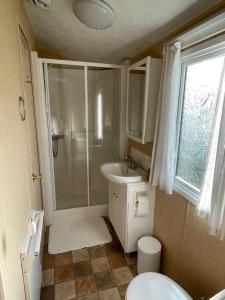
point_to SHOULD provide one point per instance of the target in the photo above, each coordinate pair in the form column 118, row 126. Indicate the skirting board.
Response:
column 72, row 214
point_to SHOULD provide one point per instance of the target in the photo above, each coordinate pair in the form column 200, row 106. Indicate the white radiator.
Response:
column 31, row 256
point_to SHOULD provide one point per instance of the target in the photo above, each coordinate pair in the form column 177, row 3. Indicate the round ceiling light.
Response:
column 95, row 14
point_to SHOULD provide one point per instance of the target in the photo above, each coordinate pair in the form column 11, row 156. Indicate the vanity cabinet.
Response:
column 122, row 213
column 143, row 80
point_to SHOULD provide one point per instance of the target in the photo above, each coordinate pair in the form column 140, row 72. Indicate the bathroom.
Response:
column 112, row 149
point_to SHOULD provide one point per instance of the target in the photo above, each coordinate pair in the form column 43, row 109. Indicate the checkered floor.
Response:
column 95, row 273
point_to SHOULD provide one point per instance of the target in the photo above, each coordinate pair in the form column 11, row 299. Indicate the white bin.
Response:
column 149, row 252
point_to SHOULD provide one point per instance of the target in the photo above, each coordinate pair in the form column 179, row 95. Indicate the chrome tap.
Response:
column 131, row 162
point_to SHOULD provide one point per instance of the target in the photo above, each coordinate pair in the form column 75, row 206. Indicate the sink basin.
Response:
column 119, row 172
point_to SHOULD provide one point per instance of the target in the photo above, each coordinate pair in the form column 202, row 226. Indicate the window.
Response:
column 200, row 84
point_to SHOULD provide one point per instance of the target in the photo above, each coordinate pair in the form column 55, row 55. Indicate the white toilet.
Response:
column 155, row 286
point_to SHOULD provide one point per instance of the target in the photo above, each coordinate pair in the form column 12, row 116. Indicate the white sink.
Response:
column 119, row 172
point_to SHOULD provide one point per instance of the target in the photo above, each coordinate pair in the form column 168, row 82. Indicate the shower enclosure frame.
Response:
column 42, row 108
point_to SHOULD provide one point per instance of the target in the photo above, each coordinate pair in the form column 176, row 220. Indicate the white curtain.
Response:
column 212, row 198
column 163, row 157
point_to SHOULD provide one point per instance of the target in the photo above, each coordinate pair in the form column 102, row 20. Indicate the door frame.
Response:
column 42, row 109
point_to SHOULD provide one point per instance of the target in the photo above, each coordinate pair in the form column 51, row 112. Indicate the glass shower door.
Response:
column 68, row 132
column 103, row 127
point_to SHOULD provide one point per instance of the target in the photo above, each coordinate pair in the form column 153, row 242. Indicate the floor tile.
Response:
column 46, row 250
column 64, row 273
column 112, row 248
column 47, row 293
column 117, row 260
column 105, row 280
column 100, row 264
column 122, row 275
column 89, row 297
column 63, row 259
column 83, row 269
column 133, row 269
column 80, row 255
column 65, row 290
column 114, row 236
column 109, row 225
column 85, row 285
column 48, row 262
column 46, row 238
column 111, row 294
column 131, row 259
column 122, row 290
column 48, row 277
column 96, row 251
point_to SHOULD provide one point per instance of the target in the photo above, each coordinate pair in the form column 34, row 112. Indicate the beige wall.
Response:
column 15, row 199
column 145, row 148
column 190, row 255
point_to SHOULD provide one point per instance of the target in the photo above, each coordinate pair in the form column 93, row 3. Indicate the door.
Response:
column 29, row 118
column 67, row 114
column 103, row 127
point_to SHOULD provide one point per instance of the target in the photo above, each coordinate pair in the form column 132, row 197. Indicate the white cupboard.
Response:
column 123, row 213
column 143, row 80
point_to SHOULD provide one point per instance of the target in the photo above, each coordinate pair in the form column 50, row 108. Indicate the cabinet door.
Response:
column 112, row 204
column 138, row 87
column 117, row 209
column 140, row 81
column 120, row 210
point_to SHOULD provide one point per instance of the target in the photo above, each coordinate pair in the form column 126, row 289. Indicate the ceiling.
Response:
column 138, row 24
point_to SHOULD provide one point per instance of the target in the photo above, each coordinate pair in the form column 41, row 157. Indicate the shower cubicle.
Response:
column 80, row 112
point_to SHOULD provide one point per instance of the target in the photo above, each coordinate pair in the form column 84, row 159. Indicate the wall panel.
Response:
column 190, row 255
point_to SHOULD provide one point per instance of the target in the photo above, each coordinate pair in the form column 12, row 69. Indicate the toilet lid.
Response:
column 155, row 286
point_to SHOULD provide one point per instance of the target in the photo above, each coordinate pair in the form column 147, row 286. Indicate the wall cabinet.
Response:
column 143, row 79
column 122, row 213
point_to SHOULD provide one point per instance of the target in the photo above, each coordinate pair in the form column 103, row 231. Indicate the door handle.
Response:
column 36, row 177
column 22, row 108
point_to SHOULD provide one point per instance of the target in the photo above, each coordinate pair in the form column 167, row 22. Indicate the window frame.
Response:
column 188, row 58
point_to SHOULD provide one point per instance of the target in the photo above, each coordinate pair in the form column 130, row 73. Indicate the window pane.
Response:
column 200, row 93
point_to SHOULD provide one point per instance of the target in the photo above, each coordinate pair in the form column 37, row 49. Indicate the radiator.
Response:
column 31, row 256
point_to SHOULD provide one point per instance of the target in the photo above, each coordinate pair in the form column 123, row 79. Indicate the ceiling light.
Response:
column 95, row 14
